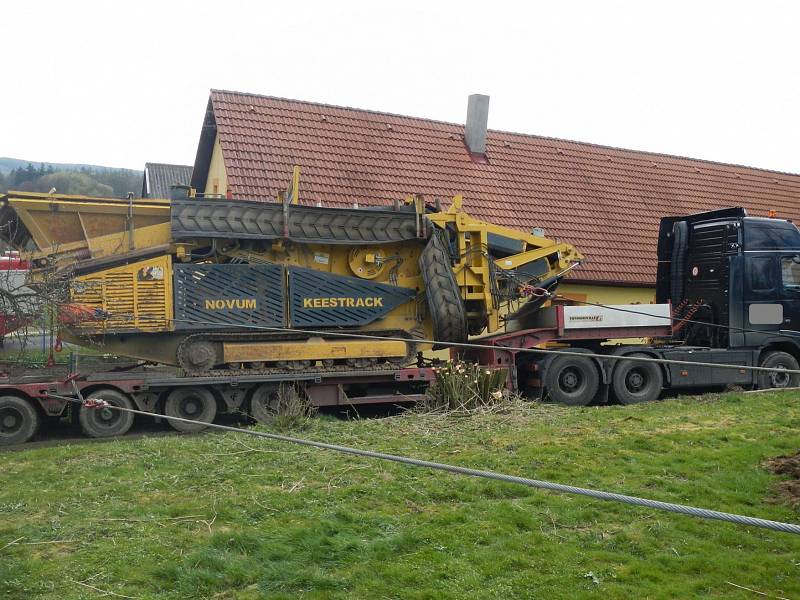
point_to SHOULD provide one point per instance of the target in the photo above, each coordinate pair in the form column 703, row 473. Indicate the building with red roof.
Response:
column 606, row 201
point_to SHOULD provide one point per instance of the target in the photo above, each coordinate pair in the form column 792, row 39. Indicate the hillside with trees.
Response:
column 84, row 179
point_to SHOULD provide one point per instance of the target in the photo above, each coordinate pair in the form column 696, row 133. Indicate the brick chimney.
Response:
column 477, row 119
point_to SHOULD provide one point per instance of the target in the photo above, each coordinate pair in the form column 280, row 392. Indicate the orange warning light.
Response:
column 772, row 213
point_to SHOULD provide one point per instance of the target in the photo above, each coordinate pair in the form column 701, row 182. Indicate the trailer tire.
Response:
column 572, row 380
column 195, row 403
column 264, row 403
column 106, row 422
column 19, row 420
column 634, row 382
column 778, row 360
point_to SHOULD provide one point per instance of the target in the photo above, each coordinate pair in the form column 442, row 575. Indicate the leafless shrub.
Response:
column 465, row 387
column 292, row 408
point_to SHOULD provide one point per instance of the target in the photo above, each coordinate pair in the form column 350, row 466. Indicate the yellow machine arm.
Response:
column 494, row 262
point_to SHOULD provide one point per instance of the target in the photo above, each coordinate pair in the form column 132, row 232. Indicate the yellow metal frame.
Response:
column 67, row 228
column 114, row 244
column 294, row 192
column 59, row 220
column 472, row 269
column 313, row 349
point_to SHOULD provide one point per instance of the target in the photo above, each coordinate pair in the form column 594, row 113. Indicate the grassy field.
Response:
column 227, row 516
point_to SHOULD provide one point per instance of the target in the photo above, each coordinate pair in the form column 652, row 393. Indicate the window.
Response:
column 761, row 278
column 771, row 236
column 790, row 272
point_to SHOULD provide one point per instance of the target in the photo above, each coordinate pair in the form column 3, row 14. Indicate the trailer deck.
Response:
column 147, row 387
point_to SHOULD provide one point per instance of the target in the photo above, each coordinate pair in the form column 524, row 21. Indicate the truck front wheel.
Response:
column 572, row 380
column 776, row 379
column 636, row 381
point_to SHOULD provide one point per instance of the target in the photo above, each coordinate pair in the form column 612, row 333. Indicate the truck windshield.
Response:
column 770, row 235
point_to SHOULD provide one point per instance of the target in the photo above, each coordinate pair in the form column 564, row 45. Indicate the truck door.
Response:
column 772, row 278
column 790, row 290
column 762, row 299
column 772, row 294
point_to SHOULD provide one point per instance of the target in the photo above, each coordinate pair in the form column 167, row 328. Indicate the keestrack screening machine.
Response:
column 210, row 284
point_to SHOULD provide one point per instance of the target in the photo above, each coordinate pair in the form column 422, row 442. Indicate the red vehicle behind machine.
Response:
column 13, row 272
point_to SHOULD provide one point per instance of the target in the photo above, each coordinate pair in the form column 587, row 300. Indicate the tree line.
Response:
column 84, row 181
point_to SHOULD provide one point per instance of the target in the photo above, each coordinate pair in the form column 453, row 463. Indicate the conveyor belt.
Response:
column 241, row 219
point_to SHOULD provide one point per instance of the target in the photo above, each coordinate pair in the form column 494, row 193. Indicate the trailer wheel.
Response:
column 778, row 360
column 106, row 422
column 197, row 404
column 19, row 420
column 264, row 403
column 572, row 380
column 634, row 382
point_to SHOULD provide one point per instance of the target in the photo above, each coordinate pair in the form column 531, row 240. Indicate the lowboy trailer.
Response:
column 28, row 398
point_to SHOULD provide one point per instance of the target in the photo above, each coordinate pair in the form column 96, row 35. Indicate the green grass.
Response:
column 232, row 517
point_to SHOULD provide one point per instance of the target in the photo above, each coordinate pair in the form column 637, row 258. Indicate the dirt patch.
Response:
column 787, row 491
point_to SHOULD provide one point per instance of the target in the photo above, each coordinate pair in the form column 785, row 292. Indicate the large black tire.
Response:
column 264, row 403
column 634, row 381
column 778, row 360
column 572, row 380
column 106, row 422
column 445, row 305
column 197, row 404
column 19, row 420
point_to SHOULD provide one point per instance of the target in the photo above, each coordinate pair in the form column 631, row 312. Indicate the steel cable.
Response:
column 354, row 335
column 692, row 511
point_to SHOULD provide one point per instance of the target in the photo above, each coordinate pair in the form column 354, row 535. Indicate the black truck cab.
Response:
column 737, row 278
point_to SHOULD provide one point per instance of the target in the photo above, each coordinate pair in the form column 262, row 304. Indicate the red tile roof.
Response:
column 606, row 201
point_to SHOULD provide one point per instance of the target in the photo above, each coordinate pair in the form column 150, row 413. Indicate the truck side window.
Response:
column 790, row 273
column 760, row 274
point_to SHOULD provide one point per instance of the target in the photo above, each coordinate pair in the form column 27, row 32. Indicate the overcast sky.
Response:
column 120, row 83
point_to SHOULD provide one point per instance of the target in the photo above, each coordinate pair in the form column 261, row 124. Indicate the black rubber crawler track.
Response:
column 441, row 288
column 240, row 219
column 220, row 337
